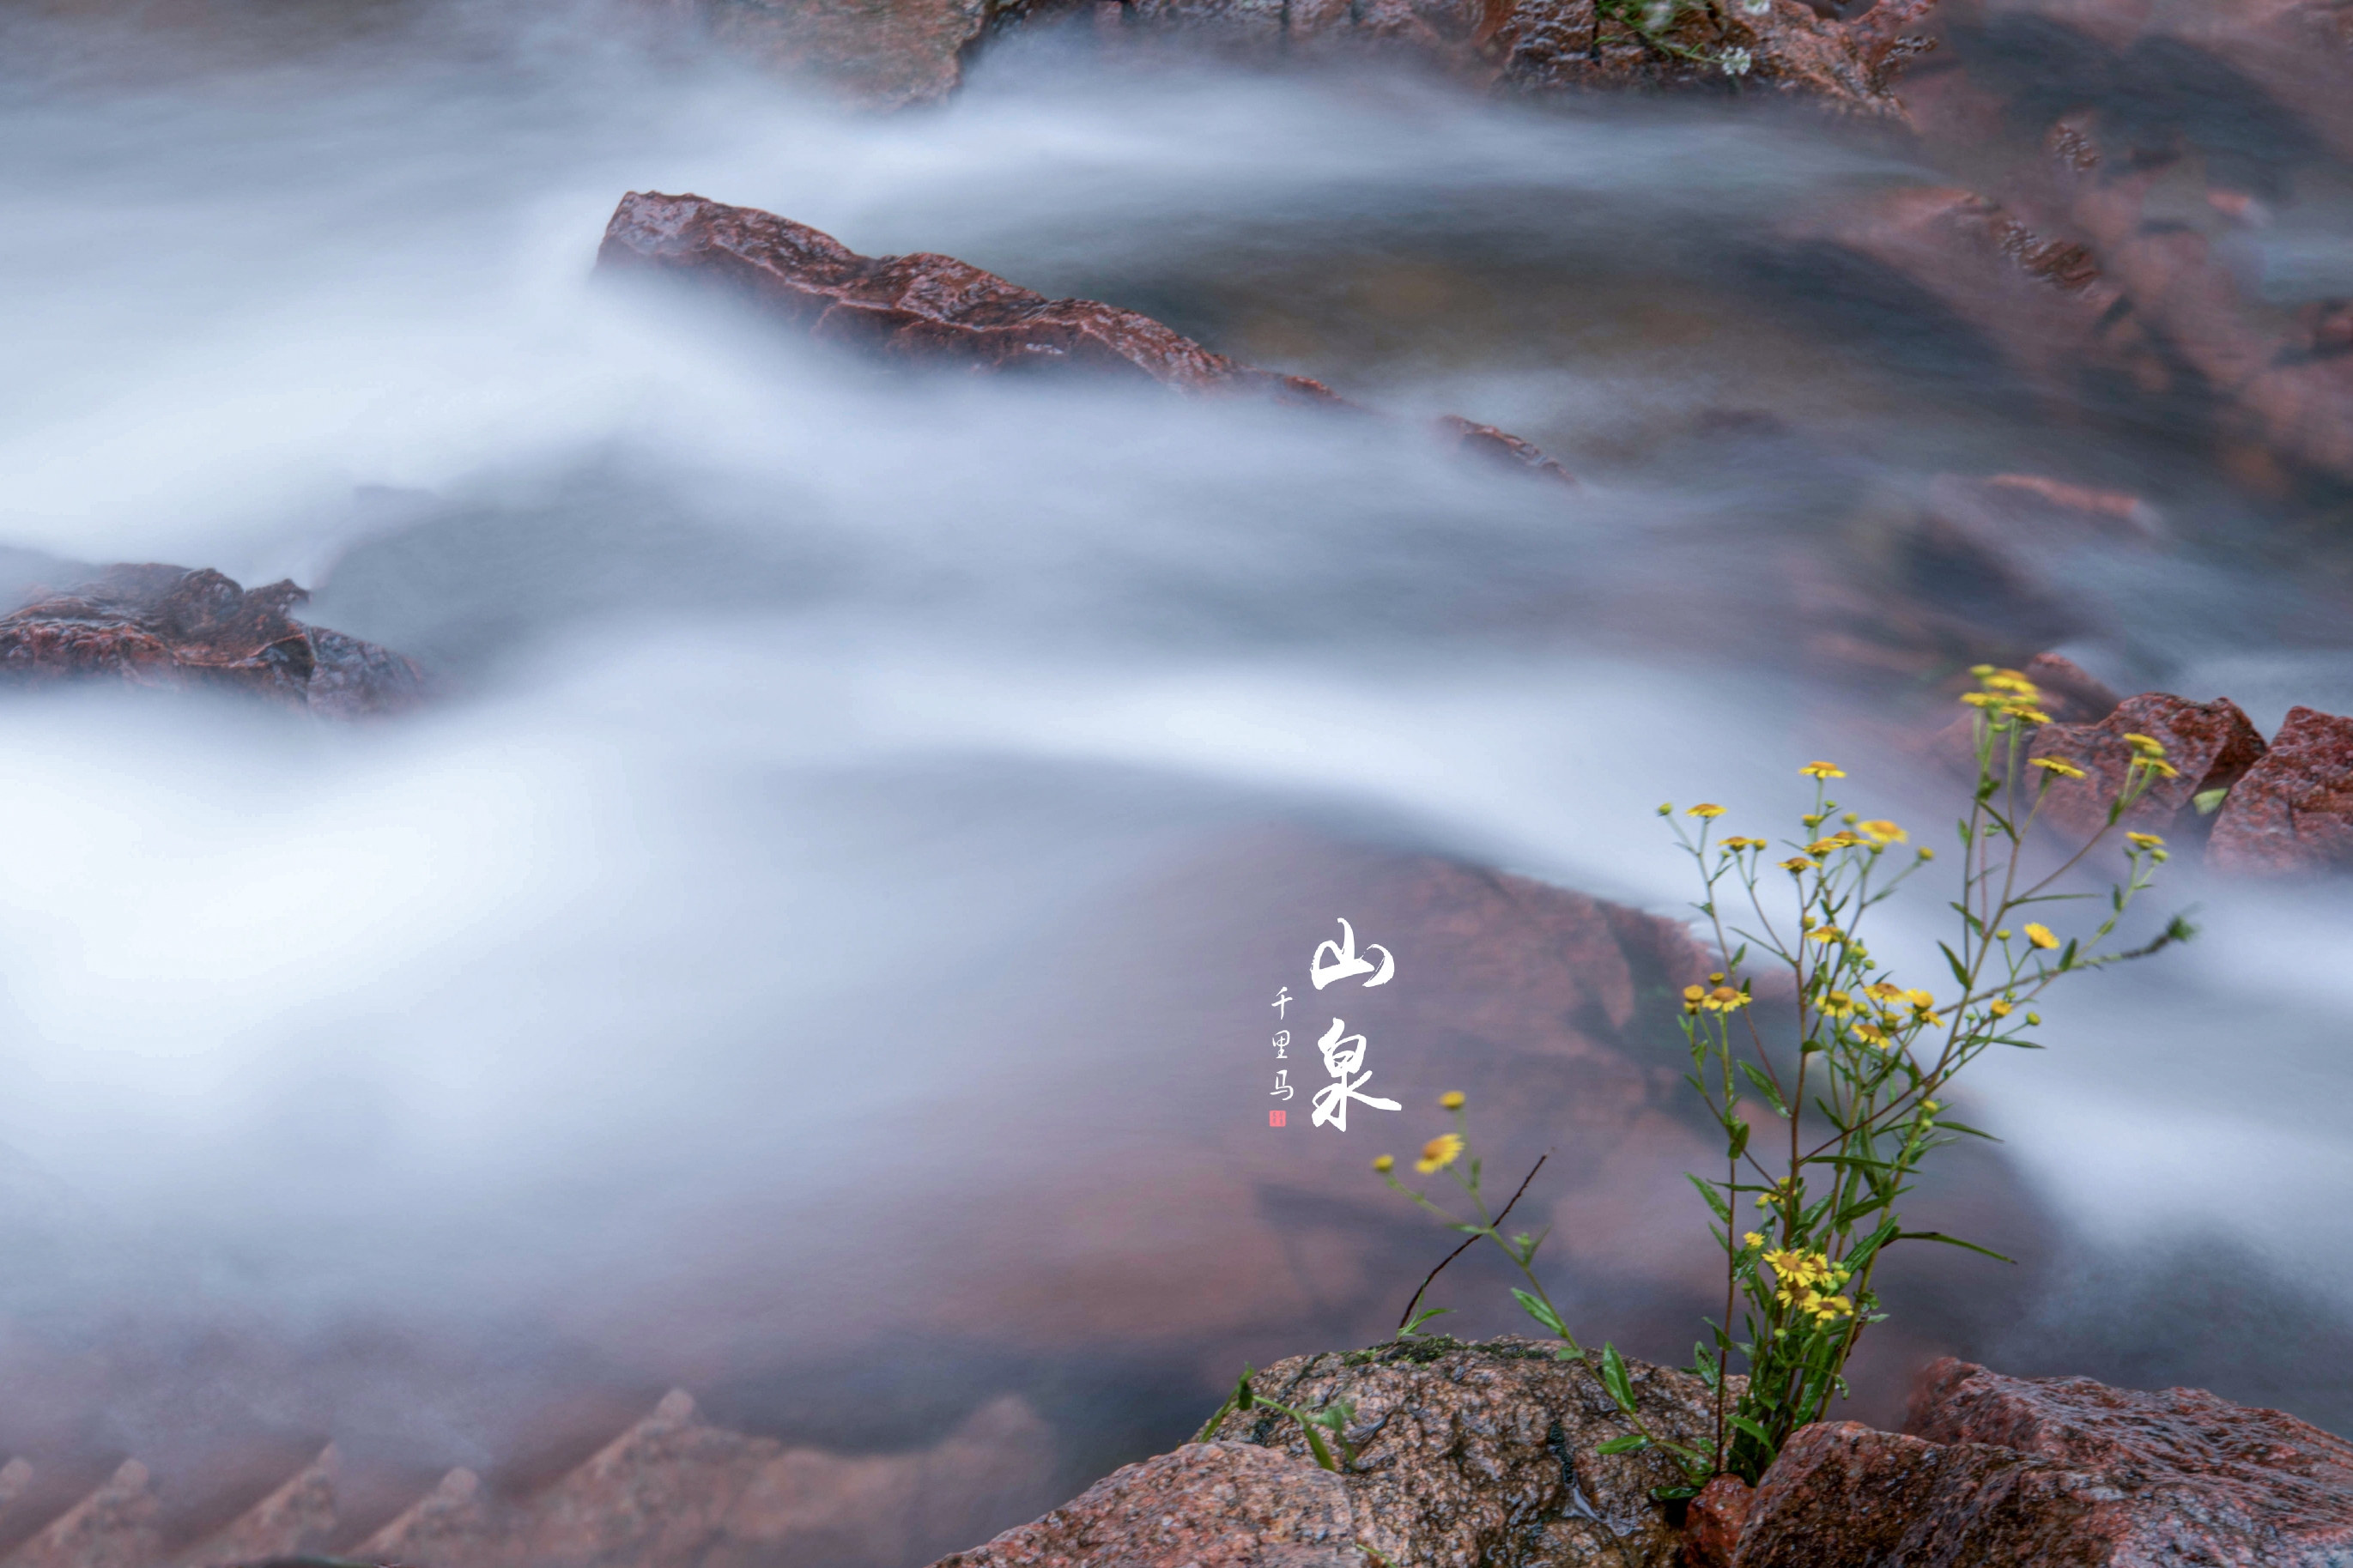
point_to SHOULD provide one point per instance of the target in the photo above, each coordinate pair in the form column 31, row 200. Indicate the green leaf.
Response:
column 1739, row 1140
column 1541, row 1313
column 1714, row 1199
column 2209, row 801
column 1633, row 1442
column 1614, row 1378
column 1960, row 969
column 1949, row 1241
column 1420, row 1317
column 1946, row 1126
column 1753, row 1430
column 1764, row 1086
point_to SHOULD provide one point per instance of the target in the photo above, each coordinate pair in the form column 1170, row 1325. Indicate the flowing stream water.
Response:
column 803, row 727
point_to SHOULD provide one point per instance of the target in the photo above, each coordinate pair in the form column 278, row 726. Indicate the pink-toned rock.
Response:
column 114, row 1527
column 2210, row 745
column 2003, row 1471
column 1714, row 1521
column 1842, row 1495
column 168, row 627
column 2293, row 811
column 1784, row 49
column 297, row 1519
column 927, row 309
column 2184, row 1434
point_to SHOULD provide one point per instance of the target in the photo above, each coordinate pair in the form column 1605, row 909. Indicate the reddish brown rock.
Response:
column 933, row 310
column 1842, row 1495
column 925, row 308
column 2293, row 811
column 1786, row 50
column 1713, row 1523
column 2209, row 744
column 168, row 627
column 2286, row 1472
column 2002, row 1470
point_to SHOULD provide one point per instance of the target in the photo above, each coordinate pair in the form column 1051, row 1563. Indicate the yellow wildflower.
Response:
column 1837, row 1005
column 1879, row 830
column 1438, row 1152
column 2031, row 714
column 2040, row 935
column 1692, row 996
column 1797, row 864
column 2063, row 769
column 1723, row 999
column 1873, row 1034
column 1999, row 1009
column 1752, row 1239
column 1706, row 808
column 1385, row 1163
column 2156, row 766
column 1823, row 771
column 2144, row 840
column 1738, row 842
column 2146, row 745
column 1452, row 1099
column 1826, row 933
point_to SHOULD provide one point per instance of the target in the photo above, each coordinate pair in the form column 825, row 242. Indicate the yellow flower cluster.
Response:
column 1807, row 1281
column 2006, row 697
column 1722, row 999
column 1438, row 1152
column 2148, row 752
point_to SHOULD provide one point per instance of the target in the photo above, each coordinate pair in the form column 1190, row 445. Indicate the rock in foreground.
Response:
column 2005, row 1470
column 168, row 627
column 1465, row 1454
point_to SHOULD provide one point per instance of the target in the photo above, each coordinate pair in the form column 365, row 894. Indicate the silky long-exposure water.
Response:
column 780, row 961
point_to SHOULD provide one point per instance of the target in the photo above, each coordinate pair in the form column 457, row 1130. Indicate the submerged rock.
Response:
column 2004, row 1471
column 927, row 309
column 1464, row 1454
column 168, row 627
column 2293, row 812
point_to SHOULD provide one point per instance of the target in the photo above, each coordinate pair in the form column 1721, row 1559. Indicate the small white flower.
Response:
column 1757, row 7
column 1736, row 62
column 1660, row 13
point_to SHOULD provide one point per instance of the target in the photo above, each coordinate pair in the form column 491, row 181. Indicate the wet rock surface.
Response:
column 2293, row 812
column 936, row 311
column 167, row 627
column 2055, row 1470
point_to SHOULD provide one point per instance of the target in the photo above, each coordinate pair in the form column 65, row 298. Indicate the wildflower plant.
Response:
column 1822, row 1143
